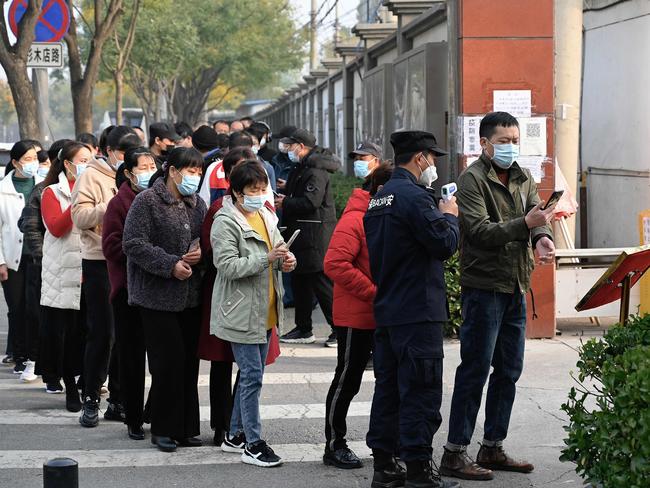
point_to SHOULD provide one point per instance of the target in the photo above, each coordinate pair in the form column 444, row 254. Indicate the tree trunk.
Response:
column 119, row 97
column 25, row 101
column 82, row 102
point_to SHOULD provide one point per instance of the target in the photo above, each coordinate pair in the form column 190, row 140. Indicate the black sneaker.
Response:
column 297, row 336
column 20, row 366
column 115, row 412
column 260, row 454
column 393, row 475
column 234, row 444
column 343, row 458
column 90, row 413
column 54, row 388
column 331, row 341
column 424, row 474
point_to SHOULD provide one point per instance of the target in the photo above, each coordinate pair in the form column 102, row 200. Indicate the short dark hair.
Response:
column 247, row 118
column 235, row 155
column 247, row 173
column 183, row 129
column 258, row 129
column 220, row 121
column 131, row 156
column 493, row 120
column 122, row 138
column 223, row 141
column 88, row 139
column 380, row 175
column 240, row 138
column 103, row 139
column 183, row 157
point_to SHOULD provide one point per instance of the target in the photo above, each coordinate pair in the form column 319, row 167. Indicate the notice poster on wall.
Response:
column 471, row 138
column 532, row 136
column 515, row 102
column 534, row 165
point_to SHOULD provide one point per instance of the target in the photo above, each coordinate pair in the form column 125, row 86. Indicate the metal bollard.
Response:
column 61, row 473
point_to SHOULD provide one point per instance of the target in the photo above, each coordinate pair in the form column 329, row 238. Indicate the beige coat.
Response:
column 90, row 196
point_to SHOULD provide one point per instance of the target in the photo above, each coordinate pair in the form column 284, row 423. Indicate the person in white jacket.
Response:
column 18, row 270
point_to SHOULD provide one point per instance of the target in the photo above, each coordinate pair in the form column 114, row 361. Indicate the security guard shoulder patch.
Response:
column 383, row 202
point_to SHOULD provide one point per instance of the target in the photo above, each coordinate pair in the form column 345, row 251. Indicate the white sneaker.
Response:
column 27, row 376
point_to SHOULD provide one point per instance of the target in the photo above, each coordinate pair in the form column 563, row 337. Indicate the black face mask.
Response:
column 168, row 148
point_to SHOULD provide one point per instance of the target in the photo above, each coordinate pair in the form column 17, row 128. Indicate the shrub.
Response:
column 609, row 410
column 452, row 278
column 342, row 186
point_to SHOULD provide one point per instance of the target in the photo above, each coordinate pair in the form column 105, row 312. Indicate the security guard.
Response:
column 409, row 237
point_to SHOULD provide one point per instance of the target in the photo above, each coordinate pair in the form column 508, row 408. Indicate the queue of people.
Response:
column 113, row 253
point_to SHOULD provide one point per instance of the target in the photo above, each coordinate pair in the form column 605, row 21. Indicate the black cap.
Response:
column 408, row 142
column 163, row 131
column 366, row 148
column 205, row 138
column 286, row 131
column 300, row 136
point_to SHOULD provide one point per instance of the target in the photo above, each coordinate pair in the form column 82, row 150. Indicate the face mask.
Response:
column 255, row 149
column 188, row 185
column 42, row 172
column 79, row 169
column 283, row 148
column 505, row 154
column 142, row 180
column 429, row 175
column 293, row 157
column 29, row 170
column 263, row 142
column 361, row 169
column 113, row 162
column 168, row 148
column 253, row 203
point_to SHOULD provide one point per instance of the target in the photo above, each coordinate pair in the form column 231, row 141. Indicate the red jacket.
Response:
column 112, row 230
column 347, row 264
column 211, row 348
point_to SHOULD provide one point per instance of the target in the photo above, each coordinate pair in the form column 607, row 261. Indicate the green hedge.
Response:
column 609, row 410
column 342, row 187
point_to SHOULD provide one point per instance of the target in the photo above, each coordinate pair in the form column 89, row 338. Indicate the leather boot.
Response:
column 458, row 464
column 496, row 459
column 424, row 474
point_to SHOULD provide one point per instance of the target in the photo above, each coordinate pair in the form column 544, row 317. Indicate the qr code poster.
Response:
column 532, row 135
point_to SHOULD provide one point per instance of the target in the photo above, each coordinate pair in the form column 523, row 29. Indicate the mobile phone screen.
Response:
column 293, row 238
column 554, row 198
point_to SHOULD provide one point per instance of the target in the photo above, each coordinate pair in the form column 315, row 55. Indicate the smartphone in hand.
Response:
column 553, row 199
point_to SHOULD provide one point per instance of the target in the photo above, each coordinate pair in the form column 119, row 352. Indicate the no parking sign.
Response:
column 53, row 22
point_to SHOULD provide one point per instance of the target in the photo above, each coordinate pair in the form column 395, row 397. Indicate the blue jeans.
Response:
column 493, row 334
column 405, row 410
column 250, row 359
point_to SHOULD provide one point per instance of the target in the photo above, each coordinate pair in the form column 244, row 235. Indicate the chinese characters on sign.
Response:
column 45, row 55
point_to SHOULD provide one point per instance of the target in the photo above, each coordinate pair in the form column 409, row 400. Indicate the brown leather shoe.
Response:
column 495, row 458
column 460, row 465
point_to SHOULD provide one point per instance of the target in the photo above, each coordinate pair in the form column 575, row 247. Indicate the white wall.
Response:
column 437, row 34
column 616, row 120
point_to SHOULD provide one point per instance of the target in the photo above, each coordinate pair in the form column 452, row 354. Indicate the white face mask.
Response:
column 429, row 175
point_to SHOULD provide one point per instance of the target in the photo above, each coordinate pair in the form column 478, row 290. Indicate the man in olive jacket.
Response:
column 308, row 205
column 501, row 220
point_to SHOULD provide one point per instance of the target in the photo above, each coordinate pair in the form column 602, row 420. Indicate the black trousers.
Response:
column 220, row 395
column 405, row 410
column 130, row 352
column 100, row 329
column 174, row 383
column 61, row 343
column 22, row 291
column 354, row 349
column 305, row 286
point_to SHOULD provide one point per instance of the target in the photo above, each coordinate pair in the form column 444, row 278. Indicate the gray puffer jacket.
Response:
column 158, row 232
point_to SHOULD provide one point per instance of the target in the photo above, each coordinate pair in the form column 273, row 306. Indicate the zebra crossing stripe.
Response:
column 140, row 458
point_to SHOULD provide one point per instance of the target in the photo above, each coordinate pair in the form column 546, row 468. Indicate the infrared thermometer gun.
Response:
column 448, row 191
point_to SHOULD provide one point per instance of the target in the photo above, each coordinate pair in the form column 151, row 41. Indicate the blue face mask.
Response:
column 142, row 180
column 29, row 170
column 42, row 172
column 80, row 168
column 361, row 169
column 293, row 157
column 188, row 185
column 253, row 203
column 505, row 154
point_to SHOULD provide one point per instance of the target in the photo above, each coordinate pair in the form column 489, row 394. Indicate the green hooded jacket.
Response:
column 496, row 244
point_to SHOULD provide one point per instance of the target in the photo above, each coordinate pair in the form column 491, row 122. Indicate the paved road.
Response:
column 35, row 427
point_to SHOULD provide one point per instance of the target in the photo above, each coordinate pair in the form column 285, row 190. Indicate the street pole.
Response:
column 41, row 92
column 313, row 36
